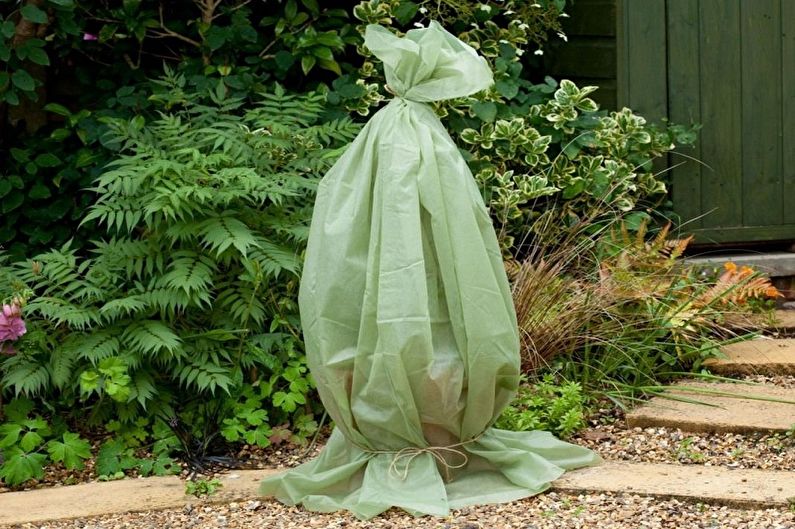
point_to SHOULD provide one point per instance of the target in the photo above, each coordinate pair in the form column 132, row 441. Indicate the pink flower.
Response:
column 90, row 36
column 11, row 324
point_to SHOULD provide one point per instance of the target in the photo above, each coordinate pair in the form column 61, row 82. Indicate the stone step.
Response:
column 763, row 356
column 745, row 488
column 774, row 264
column 784, row 319
column 126, row 495
column 721, row 413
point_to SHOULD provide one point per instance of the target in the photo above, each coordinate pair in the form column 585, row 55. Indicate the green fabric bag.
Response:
column 409, row 325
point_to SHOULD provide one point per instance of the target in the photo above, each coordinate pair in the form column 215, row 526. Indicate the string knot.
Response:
column 401, row 461
column 407, row 455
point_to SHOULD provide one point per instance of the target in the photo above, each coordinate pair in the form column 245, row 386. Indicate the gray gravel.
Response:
column 548, row 511
column 664, row 445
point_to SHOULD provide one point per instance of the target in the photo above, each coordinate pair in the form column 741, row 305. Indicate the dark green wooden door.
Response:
column 729, row 65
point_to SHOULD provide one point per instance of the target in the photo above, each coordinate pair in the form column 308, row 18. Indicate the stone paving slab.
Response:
column 721, row 414
column 756, row 357
column 745, row 488
column 126, row 495
column 775, row 264
column 784, row 319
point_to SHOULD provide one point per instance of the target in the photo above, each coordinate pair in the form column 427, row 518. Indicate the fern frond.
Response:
column 205, row 377
column 96, row 346
column 151, row 337
column 26, row 376
column 62, row 312
column 223, row 231
column 192, row 273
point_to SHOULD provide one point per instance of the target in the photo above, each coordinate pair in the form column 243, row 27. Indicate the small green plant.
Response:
column 546, row 405
column 202, row 487
column 28, row 443
column 114, row 460
column 685, row 451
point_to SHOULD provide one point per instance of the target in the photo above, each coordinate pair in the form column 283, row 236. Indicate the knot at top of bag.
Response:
column 428, row 64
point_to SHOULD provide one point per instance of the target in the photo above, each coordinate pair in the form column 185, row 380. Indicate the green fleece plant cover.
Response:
column 409, row 325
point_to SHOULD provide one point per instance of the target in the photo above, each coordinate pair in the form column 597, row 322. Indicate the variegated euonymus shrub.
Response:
column 565, row 160
column 190, row 293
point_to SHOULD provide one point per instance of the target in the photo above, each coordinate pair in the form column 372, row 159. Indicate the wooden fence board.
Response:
column 684, row 105
column 761, row 112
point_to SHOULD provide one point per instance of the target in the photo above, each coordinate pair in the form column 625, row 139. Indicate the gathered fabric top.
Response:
column 428, row 64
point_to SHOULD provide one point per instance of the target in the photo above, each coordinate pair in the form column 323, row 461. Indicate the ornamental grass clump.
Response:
column 623, row 312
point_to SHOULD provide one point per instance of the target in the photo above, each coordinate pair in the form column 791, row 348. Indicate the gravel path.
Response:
column 664, row 445
column 548, row 511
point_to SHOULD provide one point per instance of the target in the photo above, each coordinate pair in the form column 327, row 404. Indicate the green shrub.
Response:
column 189, row 299
column 565, row 162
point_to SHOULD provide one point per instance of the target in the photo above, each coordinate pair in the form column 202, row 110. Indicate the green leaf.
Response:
column 322, row 52
column 636, row 219
column 5, row 187
column 216, row 37
column 311, row 5
column 330, row 65
column 405, row 12
column 507, row 88
column 577, row 187
column 9, row 434
column 290, row 10
column 38, row 56
column 34, row 14
column 55, row 108
column 8, row 29
column 72, row 451
column 485, row 110
column 259, row 436
column 12, row 98
column 39, row 191
column 12, row 202
column 19, row 466
column 18, row 410
column 47, row 159
column 113, row 458
column 30, row 440
column 284, row 59
column 307, row 63
column 23, row 80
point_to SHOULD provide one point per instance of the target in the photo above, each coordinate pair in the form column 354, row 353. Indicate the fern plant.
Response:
column 190, row 294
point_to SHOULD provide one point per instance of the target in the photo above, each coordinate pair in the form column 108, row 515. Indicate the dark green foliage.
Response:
column 190, row 295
